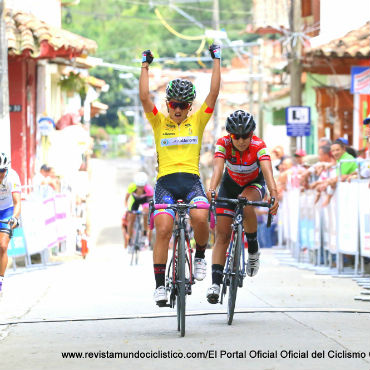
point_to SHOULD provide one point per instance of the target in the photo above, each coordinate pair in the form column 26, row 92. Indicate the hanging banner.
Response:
column 34, row 225
column 17, row 246
column 360, row 80
column 51, row 234
column 347, row 217
column 364, row 212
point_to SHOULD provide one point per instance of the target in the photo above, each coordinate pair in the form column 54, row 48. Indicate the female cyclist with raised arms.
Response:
column 248, row 166
column 178, row 139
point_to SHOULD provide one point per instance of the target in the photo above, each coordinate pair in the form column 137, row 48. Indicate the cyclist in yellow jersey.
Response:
column 178, row 139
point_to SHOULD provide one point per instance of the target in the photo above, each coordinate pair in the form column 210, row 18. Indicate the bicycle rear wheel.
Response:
column 181, row 293
column 234, row 278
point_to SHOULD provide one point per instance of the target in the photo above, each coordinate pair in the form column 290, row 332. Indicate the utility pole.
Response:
column 294, row 56
column 4, row 86
column 216, row 26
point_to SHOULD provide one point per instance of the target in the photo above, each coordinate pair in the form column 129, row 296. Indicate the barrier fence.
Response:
column 322, row 235
column 46, row 223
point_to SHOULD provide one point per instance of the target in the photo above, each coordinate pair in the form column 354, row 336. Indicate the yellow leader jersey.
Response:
column 178, row 146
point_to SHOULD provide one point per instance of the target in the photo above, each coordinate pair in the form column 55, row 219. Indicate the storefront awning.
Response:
column 30, row 37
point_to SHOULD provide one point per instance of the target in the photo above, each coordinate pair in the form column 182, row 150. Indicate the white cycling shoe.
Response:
column 160, row 296
column 213, row 293
column 253, row 264
column 200, row 268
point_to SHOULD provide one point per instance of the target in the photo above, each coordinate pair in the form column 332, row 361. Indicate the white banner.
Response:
column 347, row 217
column 364, row 211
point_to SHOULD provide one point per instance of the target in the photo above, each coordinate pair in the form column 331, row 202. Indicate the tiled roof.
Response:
column 355, row 44
column 26, row 33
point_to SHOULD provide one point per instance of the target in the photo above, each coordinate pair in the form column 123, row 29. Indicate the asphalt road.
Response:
column 102, row 307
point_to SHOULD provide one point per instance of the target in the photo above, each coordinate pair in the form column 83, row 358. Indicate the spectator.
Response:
column 69, row 119
column 43, row 183
column 349, row 149
column 299, row 155
column 324, row 141
column 277, row 157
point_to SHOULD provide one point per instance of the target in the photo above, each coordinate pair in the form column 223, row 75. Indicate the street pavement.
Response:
column 286, row 317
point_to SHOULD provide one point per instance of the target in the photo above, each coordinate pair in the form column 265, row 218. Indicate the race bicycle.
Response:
column 137, row 238
column 234, row 270
column 179, row 277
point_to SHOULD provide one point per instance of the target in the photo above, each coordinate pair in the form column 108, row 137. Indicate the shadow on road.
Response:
column 110, row 235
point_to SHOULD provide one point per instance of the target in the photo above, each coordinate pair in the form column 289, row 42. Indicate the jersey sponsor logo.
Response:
column 168, row 133
column 185, row 140
column 187, row 124
column 220, row 149
column 262, row 152
column 241, row 168
column 170, row 126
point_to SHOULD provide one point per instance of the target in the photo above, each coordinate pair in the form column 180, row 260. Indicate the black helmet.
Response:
column 181, row 90
column 4, row 161
column 240, row 123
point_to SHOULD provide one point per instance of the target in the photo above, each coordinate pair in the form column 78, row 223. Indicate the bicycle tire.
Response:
column 181, row 294
column 234, row 279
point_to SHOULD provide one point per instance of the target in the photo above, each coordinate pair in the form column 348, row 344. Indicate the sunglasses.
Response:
column 2, row 170
column 244, row 137
column 181, row 105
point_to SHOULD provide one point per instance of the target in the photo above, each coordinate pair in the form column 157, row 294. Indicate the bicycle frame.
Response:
column 238, row 220
column 178, row 284
column 234, row 276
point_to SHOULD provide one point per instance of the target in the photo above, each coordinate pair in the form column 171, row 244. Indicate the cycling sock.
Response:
column 159, row 274
column 200, row 251
column 252, row 242
column 217, row 274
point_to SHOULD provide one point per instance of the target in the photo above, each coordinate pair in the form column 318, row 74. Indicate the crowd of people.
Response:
column 336, row 161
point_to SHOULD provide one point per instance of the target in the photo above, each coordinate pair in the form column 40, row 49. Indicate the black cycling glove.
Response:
column 215, row 51
column 147, row 57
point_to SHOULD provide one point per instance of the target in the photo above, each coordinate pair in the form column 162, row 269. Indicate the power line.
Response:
column 228, row 12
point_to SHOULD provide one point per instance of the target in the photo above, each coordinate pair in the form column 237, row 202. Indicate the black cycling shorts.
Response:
column 230, row 189
column 175, row 186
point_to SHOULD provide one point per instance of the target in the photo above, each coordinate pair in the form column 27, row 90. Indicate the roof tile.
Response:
column 355, row 44
column 26, row 32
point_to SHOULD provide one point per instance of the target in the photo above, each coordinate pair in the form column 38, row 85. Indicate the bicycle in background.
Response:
column 234, row 271
column 137, row 237
column 179, row 277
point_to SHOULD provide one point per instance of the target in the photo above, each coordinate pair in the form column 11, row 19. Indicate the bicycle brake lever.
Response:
column 269, row 218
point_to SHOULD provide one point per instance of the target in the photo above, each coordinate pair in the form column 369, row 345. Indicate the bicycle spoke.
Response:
column 234, row 278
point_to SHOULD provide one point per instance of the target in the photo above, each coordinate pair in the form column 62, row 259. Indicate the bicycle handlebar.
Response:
column 179, row 205
column 245, row 202
column 4, row 221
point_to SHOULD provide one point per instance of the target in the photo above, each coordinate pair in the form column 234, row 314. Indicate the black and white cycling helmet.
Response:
column 240, row 123
column 181, row 90
column 141, row 179
column 4, row 161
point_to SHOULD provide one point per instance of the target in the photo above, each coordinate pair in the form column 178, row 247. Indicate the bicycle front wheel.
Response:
column 181, row 293
column 234, row 279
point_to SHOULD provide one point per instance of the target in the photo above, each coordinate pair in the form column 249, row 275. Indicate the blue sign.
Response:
column 298, row 121
column 360, row 80
column 17, row 245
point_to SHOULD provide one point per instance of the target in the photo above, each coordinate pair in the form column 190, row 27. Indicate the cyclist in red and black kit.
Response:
column 248, row 166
